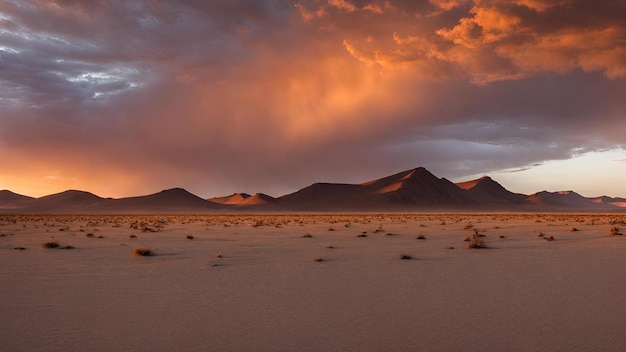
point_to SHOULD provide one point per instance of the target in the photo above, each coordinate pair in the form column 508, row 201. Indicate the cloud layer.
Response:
column 130, row 97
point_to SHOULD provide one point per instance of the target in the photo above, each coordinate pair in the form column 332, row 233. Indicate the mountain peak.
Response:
column 467, row 185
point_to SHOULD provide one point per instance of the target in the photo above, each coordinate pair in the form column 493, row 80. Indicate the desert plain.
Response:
column 313, row 282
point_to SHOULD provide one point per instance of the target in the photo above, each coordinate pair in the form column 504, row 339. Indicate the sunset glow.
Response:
column 122, row 98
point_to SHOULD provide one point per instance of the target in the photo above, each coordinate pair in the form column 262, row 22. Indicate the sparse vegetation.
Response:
column 90, row 235
column 421, row 237
column 68, row 246
column 572, row 229
column 475, row 241
column 405, row 257
column 143, row 252
column 363, row 234
column 307, row 235
column 614, row 231
column 51, row 244
column 190, row 237
column 20, row 248
column 132, row 236
column 379, row 229
column 318, row 259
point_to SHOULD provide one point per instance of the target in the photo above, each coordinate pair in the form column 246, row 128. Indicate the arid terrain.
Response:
column 309, row 282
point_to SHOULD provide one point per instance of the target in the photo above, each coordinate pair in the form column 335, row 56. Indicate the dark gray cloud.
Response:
column 129, row 97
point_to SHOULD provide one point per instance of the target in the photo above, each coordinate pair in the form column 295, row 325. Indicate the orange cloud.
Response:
column 343, row 5
column 447, row 5
column 498, row 41
column 486, row 26
column 541, row 5
column 309, row 15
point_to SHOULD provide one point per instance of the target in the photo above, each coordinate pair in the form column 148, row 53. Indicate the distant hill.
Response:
column 175, row 200
column 11, row 201
column 415, row 190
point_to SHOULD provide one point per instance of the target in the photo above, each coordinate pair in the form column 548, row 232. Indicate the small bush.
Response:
column 614, row 231
column 143, row 252
column 476, row 242
column 51, row 244
column 405, row 257
column 308, row 235
column 318, row 259
column 20, row 248
column 68, row 246
column 89, row 235
column 501, row 237
column 572, row 229
column 218, row 255
column 132, row 236
column 190, row 237
column 421, row 237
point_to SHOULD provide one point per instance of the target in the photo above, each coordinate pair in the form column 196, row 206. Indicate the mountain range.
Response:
column 415, row 190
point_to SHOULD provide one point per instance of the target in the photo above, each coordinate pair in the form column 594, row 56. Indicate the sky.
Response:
column 125, row 97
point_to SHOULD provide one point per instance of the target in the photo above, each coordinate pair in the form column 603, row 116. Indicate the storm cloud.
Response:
column 131, row 97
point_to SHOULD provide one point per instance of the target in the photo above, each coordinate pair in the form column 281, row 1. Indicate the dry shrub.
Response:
column 143, row 252
column 614, row 231
column 476, row 242
column 51, row 244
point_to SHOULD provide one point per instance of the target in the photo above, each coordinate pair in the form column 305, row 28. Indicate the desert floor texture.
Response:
column 308, row 282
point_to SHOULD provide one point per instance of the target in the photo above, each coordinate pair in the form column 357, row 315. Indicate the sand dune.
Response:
column 236, row 198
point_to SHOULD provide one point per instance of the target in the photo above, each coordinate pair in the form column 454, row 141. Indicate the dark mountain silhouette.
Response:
column 413, row 190
column 68, row 201
column 486, row 191
column 8, row 196
column 10, row 200
column 171, row 200
column 570, row 200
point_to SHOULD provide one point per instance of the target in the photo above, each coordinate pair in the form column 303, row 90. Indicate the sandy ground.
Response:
column 267, row 292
